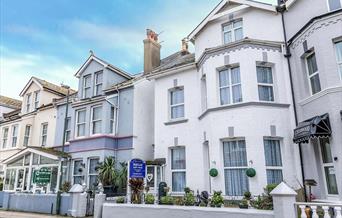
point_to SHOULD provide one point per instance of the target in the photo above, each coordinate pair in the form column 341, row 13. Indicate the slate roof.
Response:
column 175, row 60
column 10, row 102
column 53, row 87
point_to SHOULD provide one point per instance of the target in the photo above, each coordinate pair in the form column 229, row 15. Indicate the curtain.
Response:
column 178, row 158
column 178, row 181
column 236, row 182
column 177, row 96
column 81, row 116
column 265, row 93
column 274, row 176
column 234, row 154
column 315, row 84
column 224, row 96
column 224, row 78
column 227, row 37
column 264, row 75
column 312, row 64
column 238, row 34
column 177, row 111
column 334, row 5
column 272, row 153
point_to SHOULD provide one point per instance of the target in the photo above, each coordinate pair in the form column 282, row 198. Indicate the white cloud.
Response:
column 17, row 68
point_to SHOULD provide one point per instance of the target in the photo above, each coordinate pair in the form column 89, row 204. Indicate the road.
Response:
column 11, row 214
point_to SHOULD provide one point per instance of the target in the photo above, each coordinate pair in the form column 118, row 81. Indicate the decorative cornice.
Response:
column 245, row 43
column 244, row 104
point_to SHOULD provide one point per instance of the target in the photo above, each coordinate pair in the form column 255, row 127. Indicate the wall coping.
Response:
column 207, row 209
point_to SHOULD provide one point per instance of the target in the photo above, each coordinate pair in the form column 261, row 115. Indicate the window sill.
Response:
column 172, row 122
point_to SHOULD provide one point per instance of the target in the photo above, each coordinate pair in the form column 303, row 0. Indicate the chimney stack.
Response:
column 151, row 51
column 185, row 47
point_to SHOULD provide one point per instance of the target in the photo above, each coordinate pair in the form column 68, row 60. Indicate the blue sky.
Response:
column 51, row 39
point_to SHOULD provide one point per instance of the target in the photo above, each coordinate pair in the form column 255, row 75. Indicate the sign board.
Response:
column 42, row 176
column 137, row 168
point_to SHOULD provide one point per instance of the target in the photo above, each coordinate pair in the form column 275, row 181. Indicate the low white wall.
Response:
column 111, row 210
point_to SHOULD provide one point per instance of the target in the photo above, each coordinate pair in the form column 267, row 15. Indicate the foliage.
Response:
column 149, row 199
column 270, row 188
column 263, row 202
column 107, row 171
column 189, row 199
column 167, row 200
column 244, row 203
column 247, row 195
column 232, row 203
column 187, row 190
column 121, row 178
column 178, row 201
column 137, row 187
column 217, row 199
column 1, row 184
column 202, row 204
column 120, row 200
column 66, row 186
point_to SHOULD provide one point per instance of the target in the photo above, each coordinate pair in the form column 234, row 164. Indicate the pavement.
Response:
column 12, row 214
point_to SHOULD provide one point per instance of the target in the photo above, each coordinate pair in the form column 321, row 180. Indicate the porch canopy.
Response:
column 315, row 127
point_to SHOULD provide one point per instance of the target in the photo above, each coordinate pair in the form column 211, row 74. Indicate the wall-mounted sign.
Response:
column 137, row 168
column 42, row 176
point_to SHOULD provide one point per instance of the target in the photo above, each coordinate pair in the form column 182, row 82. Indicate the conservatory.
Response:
column 35, row 170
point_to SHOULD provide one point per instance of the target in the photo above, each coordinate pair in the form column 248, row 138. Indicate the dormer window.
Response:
column 87, row 86
column 36, row 99
column 334, row 4
column 232, row 31
column 28, row 102
column 98, row 83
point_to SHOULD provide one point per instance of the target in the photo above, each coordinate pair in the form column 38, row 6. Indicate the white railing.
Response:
column 319, row 210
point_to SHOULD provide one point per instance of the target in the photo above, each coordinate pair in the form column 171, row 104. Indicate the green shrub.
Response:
column 217, row 200
column 270, row 188
column 187, row 190
column 178, row 201
column 232, row 203
column 149, row 199
column 120, row 200
column 202, row 204
column 189, row 199
column 247, row 195
column 167, row 200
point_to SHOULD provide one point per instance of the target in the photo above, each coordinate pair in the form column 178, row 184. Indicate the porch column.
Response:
column 58, row 175
column 28, row 185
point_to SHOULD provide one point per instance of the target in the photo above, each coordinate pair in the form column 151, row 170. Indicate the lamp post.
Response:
column 63, row 143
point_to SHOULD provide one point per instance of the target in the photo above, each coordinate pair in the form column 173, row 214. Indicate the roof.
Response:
column 105, row 64
column 215, row 13
column 47, row 86
column 124, row 84
column 10, row 102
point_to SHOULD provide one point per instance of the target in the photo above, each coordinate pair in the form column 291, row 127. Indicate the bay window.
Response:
column 78, row 172
column 338, row 46
column 265, row 83
column 313, row 73
column 232, row 31
column 92, row 173
column 230, row 86
column 80, row 122
column 334, row 4
column 96, row 121
column 98, row 83
column 14, row 135
column 87, row 86
column 177, row 103
column 44, row 134
column 273, row 161
column 235, row 166
column 178, row 169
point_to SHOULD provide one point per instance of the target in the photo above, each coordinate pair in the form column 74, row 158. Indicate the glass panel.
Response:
column 224, row 78
column 92, row 165
column 99, row 77
column 177, row 111
column 35, row 159
column 274, row 176
column 177, row 96
column 87, row 81
column 81, row 130
column 78, row 167
column 81, row 116
column 18, row 162
column 225, row 96
column 78, row 180
column 234, row 154
column 331, row 180
column 20, row 181
column 27, row 159
column 10, row 179
column 236, row 182
column 93, row 181
column 265, row 93
column 237, row 94
column 264, row 75
column 238, row 24
column 272, row 153
column 312, row 64
column 46, row 160
column 178, row 158
column 238, row 34
column 97, row 113
column 326, row 150
column 227, row 37
column 227, row 27
column 178, row 181
column 53, row 179
column 235, row 74
column 339, row 51
column 315, row 84
column 334, row 4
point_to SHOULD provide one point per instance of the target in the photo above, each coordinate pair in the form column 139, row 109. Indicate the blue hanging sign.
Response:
column 137, row 168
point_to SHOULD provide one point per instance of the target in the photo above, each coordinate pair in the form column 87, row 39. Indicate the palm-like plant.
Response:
column 121, row 179
column 137, row 187
column 107, row 171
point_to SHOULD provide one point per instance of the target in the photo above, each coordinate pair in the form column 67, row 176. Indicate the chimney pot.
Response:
column 151, row 51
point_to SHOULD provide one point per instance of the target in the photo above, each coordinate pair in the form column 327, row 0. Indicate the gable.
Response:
column 31, row 86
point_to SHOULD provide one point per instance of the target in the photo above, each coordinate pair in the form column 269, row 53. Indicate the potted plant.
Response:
column 120, row 200
column 149, row 199
column 166, row 200
column 247, row 195
column 107, row 174
column 189, row 199
column 137, row 187
column 217, row 199
column 243, row 204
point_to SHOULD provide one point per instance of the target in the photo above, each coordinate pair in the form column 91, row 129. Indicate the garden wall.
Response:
column 157, row 211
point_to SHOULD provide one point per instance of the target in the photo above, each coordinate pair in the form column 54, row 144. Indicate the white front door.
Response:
column 328, row 167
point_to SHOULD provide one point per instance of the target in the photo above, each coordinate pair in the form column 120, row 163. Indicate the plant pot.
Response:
column 243, row 206
column 108, row 190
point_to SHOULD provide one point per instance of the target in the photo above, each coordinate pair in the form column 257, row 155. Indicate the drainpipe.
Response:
column 281, row 8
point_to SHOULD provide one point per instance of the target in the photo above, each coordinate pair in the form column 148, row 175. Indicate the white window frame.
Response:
column 93, row 121
column 314, row 74
column 44, row 135
column 113, row 120
column 232, row 30
column 328, row 5
column 266, row 84
column 96, row 83
column 176, row 105
column 230, row 85
column 91, row 174
column 26, row 141
column 339, row 62
column 68, row 130
column 4, row 141
column 77, row 124
column 281, row 168
column 85, row 88
column 28, row 102
column 73, row 171
column 36, row 99
column 177, row 170
column 15, row 129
